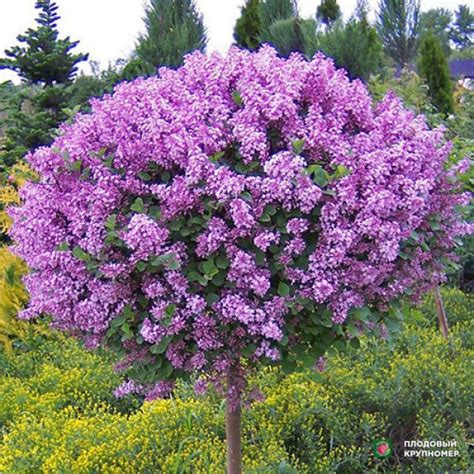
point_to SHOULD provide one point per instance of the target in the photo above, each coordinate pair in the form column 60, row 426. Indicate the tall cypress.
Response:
column 248, row 27
column 433, row 68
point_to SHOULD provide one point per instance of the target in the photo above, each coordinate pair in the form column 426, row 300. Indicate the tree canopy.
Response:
column 173, row 29
column 42, row 57
column 398, row 27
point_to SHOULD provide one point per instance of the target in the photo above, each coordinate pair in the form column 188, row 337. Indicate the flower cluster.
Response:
column 238, row 207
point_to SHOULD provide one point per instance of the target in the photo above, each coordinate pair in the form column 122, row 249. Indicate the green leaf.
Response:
column 341, row 172
column 74, row 166
column 196, row 220
column 175, row 225
column 297, row 146
column 355, row 343
column 202, row 280
column 325, row 319
column 217, row 156
column 317, row 350
column 80, row 254
column 141, row 266
column 339, row 345
column 185, row 231
column 222, row 262
column 283, row 289
column 143, row 175
column 209, row 266
column 260, row 257
column 108, row 161
column 393, row 326
column 111, row 222
column 62, row 247
column 270, row 210
column 273, row 248
column 212, row 298
column 247, row 351
column 308, row 361
column 165, row 371
column 246, row 196
column 161, row 346
column 362, row 314
column 137, row 205
column 161, row 260
column 155, row 212
column 414, row 235
column 174, row 265
column 219, row 279
column 237, row 98
column 320, row 176
column 288, row 366
column 170, row 309
column 194, row 276
column 124, row 316
column 143, row 301
column 85, row 175
column 403, row 255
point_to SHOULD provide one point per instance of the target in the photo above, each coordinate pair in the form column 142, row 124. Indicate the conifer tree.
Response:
column 173, row 29
column 328, row 12
column 437, row 22
column 289, row 35
column 47, row 67
column 276, row 10
column 248, row 27
column 462, row 30
column 433, row 68
column 42, row 57
column 354, row 46
column 398, row 28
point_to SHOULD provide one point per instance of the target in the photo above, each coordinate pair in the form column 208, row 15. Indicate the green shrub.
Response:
column 59, row 415
column 459, row 307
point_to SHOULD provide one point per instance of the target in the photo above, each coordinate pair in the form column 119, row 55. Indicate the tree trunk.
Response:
column 443, row 320
column 233, row 416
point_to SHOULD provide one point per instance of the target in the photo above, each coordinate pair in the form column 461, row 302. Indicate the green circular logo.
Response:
column 383, row 448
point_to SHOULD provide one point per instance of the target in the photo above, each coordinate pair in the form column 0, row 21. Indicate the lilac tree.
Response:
column 236, row 212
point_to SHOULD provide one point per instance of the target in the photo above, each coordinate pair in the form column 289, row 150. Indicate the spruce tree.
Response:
column 328, row 12
column 47, row 67
column 42, row 57
column 248, row 27
column 173, row 29
column 433, row 68
column 398, row 28
column 462, row 30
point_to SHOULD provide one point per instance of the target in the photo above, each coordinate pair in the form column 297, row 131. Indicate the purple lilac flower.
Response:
column 197, row 179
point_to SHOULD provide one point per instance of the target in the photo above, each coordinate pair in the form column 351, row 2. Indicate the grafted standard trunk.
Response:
column 233, row 423
column 442, row 318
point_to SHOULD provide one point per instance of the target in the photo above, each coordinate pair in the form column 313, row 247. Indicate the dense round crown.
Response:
column 244, row 206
